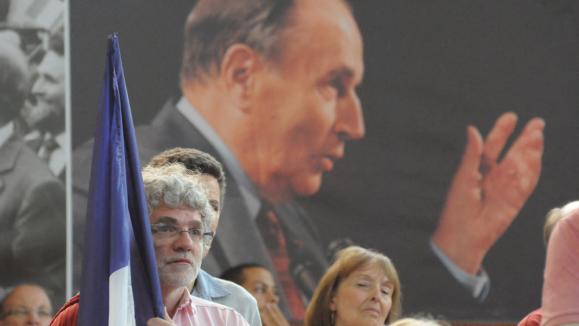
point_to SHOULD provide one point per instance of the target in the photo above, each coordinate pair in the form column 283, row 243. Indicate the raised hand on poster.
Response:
column 486, row 194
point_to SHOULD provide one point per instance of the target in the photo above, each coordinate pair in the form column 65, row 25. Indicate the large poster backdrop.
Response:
column 33, row 143
column 431, row 69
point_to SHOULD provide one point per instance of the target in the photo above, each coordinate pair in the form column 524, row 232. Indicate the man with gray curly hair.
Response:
column 174, row 195
column 211, row 176
column 179, row 213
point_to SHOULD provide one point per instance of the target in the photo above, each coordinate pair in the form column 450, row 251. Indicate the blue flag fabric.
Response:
column 120, row 283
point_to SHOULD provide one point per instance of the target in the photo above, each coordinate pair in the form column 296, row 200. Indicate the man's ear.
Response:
column 238, row 70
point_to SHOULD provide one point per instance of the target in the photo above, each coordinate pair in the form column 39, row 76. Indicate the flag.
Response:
column 119, row 282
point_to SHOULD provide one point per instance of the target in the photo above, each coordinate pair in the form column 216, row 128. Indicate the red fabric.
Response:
column 532, row 319
column 277, row 247
column 68, row 314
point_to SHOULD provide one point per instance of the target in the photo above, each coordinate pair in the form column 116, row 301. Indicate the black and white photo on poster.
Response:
column 33, row 143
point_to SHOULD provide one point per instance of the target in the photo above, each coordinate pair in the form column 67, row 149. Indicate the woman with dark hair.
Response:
column 360, row 288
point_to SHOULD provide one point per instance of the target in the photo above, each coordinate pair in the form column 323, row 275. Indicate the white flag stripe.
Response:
column 121, row 304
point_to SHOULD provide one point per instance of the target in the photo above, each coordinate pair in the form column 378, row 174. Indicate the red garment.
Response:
column 532, row 319
column 68, row 314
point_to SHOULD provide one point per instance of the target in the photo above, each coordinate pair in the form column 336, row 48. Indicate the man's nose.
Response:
column 350, row 118
column 37, row 87
column 183, row 242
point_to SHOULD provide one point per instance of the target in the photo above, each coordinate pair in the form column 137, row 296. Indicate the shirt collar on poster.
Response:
column 6, row 132
column 246, row 187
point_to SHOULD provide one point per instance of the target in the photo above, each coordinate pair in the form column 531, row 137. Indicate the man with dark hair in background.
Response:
column 259, row 282
column 32, row 201
column 269, row 88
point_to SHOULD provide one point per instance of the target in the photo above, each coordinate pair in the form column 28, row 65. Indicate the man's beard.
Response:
column 175, row 277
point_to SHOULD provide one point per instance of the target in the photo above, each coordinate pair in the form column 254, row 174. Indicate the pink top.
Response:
column 193, row 311
column 561, row 278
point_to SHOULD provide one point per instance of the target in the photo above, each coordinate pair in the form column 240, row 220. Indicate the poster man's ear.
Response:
column 238, row 70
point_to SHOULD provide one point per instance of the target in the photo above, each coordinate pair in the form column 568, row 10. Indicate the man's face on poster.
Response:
column 48, row 92
column 306, row 105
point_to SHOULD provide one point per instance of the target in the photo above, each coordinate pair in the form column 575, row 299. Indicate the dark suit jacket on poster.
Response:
column 238, row 239
column 426, row 287
column 32, row 221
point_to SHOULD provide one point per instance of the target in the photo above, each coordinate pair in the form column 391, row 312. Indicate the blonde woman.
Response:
column 360, row 288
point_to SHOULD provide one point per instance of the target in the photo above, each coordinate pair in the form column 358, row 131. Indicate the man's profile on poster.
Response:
column 270, row 89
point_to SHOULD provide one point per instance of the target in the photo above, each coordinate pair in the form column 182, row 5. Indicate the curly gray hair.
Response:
column 174, row 186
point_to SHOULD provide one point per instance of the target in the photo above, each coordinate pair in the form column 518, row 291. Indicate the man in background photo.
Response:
column 45, row 115
column 270, row 89
column 32, row 200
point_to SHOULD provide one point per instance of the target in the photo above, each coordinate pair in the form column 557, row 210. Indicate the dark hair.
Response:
column 215, row 25
column 194, row 160
column 235, row 274
column 14, row 81
column 56, row 41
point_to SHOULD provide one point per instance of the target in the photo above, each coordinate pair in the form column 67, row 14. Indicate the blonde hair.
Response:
column 348, row 261
column 554, row 216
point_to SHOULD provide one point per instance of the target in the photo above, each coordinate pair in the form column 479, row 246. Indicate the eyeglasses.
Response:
column 168, row 231
column 23, row 312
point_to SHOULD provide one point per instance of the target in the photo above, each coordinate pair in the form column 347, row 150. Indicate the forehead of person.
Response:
column 27, row 296
column 304, row 102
